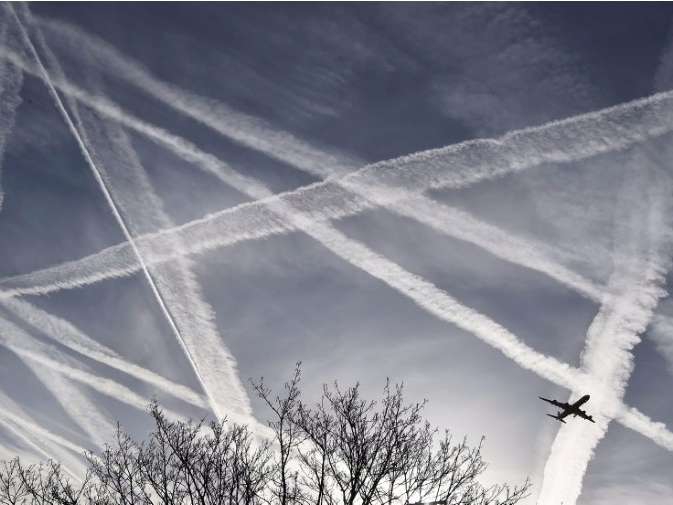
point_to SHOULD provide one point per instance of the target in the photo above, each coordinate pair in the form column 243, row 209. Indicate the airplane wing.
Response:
column 560, row 405
column 584, row 415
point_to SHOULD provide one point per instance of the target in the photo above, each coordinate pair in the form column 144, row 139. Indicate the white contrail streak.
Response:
column 43, row 441
column 74, row 401
column 68, row 335
column 134, row 196
column 420, row 291
column 26, row 346
column 255, row 134
column 635, row 287
column 564, row 141
column 241, row 128
column 59, row 104
column 455, row 166
column 11, row 80
column 415, row 207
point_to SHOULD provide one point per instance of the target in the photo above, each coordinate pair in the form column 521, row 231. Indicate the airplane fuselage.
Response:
column 570, row 409
column 575, row 407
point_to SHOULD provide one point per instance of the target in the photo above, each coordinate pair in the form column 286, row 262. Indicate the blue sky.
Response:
column 469, row 198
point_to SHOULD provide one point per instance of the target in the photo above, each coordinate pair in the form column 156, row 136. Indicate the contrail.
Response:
column 68, row 335
column 420, row 291
column 636, row 286
column 11, row 81
column 75, row 402
column 472, row 162
column 45, row 442
column 255, row 134
column 59, row 104
column 134, row 196
column 26, row 346
column 416, row 207
column 613, row 135
column 243, row 129
column 609, row 135
column 36, row 440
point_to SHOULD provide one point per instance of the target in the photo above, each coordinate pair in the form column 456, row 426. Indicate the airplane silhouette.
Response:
column 569, row 409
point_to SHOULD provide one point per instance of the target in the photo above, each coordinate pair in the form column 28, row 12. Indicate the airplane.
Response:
column 569, row 409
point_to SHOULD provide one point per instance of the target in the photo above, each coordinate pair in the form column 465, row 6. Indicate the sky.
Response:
column 471, row 199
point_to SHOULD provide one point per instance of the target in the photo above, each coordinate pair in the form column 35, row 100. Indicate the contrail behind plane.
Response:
column 635, row 289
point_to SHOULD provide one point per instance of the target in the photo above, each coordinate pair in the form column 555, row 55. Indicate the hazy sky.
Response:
column 473, row 199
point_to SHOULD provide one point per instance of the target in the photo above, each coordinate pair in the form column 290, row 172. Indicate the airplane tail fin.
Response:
column 557, row 418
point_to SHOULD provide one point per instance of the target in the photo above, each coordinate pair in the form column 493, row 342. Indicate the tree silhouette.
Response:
column 344, row 450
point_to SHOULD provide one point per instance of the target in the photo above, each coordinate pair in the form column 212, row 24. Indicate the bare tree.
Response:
column 181, row 463
column 287, row 437
column 344, row 450
column 352, row 451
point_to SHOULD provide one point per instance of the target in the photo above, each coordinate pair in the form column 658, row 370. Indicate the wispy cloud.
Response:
column 44, row 355
column 76, row 402
column 50, row 445
column 67, row 334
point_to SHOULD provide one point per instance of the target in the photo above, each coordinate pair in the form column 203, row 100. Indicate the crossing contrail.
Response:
column 419, row 290
column 68, row 335
column 120, row 167
column 416, row 207
column 26, row 346
column 618, row 136
column 636, row 287
column 43, row 441
column 71, row 126
column 455, row 166
column 612, row 134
